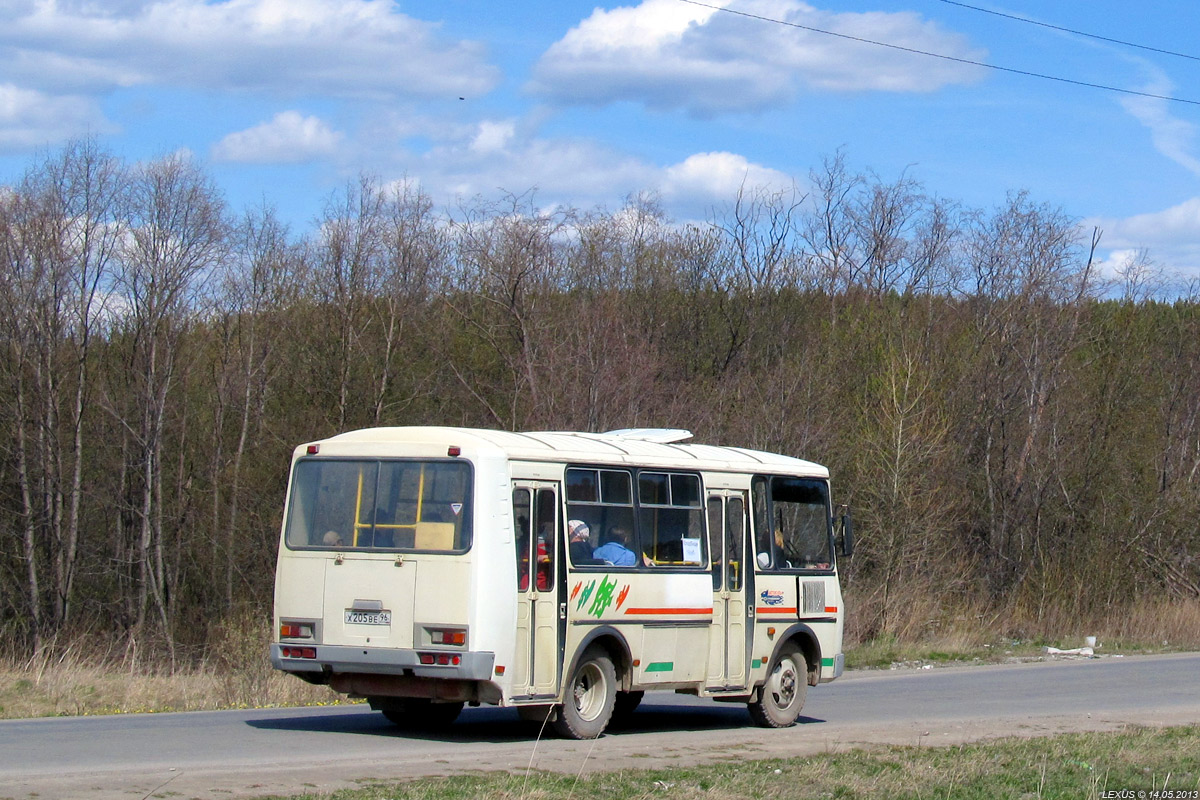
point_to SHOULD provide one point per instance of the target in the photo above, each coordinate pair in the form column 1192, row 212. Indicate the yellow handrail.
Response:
column 358, row 507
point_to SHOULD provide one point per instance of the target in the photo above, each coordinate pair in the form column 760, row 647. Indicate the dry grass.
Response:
column 67, row 685
column 1174, row 625
column 1019, row 632
column 77, row 678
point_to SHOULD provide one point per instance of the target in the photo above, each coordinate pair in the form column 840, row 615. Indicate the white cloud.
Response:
column 1173, row 137
column 669, row 54
column 493, row 136
column 717, row 177
column 289, row 138
column 1171, row 237
column 583, row 173
column 572, row 171
column 33, row 119
column 334, row 47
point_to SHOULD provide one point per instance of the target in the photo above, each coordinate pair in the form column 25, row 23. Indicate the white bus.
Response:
column 564, row 574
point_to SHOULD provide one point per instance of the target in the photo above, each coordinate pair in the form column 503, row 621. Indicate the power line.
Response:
column 945, row 57
column 1073, row 31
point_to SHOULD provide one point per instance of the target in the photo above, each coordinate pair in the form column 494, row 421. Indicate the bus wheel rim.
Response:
column 783, row 683
column 589, row 691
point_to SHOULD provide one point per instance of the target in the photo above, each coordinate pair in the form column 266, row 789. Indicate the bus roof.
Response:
column 643, row 446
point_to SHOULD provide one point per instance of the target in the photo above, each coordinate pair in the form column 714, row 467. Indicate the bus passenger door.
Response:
column 730, row 574
column 535, row 516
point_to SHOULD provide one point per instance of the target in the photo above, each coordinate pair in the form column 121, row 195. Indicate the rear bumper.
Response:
column 334, row 659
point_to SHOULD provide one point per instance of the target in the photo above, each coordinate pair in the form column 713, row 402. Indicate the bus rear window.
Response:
column 352, row 504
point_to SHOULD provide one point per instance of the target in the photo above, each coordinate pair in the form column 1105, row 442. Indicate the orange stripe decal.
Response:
column 647, row 611
column 775, row 610
column 830, row 609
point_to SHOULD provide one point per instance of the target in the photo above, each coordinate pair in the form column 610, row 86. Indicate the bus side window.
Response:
column 716, row 519
column 735, row 520
column 547, row 533
column 764, row 541
column 521, row 523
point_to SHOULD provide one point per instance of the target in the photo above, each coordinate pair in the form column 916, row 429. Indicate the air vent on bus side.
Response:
column 814, row 597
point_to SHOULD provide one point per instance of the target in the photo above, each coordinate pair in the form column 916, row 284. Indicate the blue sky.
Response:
column 286, row 100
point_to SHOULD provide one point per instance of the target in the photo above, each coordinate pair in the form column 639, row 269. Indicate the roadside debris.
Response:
column 1087, row 652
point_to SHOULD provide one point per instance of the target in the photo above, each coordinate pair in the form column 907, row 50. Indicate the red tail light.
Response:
column 298, row 652
column 451, row 636
column 295, row 630
column 440, row 659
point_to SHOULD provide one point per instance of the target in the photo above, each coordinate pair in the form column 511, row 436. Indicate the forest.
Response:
column 1017, row 433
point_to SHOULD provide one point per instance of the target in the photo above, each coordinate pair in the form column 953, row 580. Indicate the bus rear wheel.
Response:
column 591, row 693
column 415, row 712
column 782, row 695
column 626, row 704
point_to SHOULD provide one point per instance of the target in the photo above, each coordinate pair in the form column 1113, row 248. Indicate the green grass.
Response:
column 1070, row 767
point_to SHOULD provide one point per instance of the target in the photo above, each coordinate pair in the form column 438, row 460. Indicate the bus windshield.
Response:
column 374, row 504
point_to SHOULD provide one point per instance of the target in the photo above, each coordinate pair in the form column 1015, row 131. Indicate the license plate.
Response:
column 368, row 618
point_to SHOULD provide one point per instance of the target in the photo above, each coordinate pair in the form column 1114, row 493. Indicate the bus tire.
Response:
column 782, row 694
column 419, row 713
column 536, row 714
column 591, row 694
column 625, row 705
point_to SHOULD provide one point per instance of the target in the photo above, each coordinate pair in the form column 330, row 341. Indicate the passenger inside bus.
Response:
column 543, row 557
column 776, row 555
column 615, row 550
column 542, row 561
column 580, row 546
column 522, row 553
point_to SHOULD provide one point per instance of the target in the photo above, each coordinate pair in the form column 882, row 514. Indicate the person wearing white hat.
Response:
column 579, row 534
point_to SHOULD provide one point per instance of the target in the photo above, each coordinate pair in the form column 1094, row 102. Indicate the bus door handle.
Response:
column 562, row 610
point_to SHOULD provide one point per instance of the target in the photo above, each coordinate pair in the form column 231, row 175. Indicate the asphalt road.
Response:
column 250, row 753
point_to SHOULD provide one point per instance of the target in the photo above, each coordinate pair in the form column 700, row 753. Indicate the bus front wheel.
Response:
column 591, row 694
column 782, row 695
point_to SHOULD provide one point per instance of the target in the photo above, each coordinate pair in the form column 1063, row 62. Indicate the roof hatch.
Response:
column 656, row 435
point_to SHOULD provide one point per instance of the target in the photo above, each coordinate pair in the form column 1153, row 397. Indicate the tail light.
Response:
column 440, row 659
column 295, row 630
column 448, row 636
column 298, row 652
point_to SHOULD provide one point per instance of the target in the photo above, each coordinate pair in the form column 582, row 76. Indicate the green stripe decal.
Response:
column 660, row 666
column 826, row 662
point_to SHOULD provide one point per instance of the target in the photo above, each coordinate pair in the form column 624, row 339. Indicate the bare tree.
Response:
column 258, row 285
column 1029, row 276
column 907, row 499
column 60, row 237
column 345, row 272
column 176, row 236
column 507, row 262
column 762, row 257
column 414, row 263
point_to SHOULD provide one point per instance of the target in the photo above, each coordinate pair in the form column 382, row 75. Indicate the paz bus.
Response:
column 562, row 574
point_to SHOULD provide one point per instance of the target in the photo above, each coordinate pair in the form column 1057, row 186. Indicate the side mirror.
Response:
column 846, row 535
